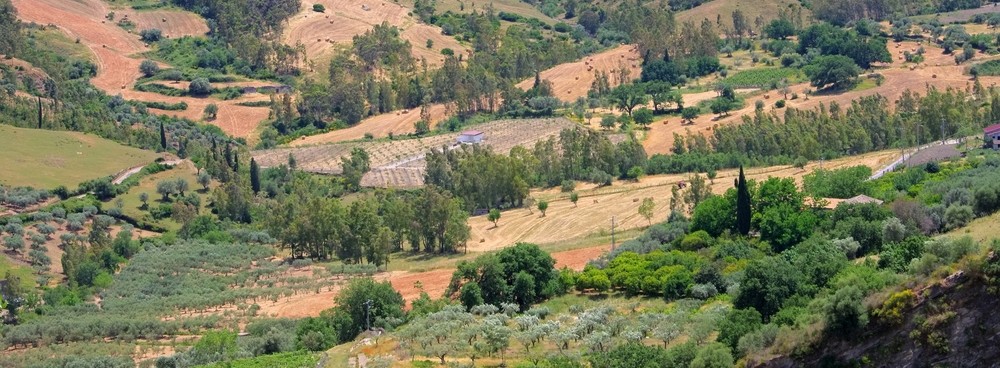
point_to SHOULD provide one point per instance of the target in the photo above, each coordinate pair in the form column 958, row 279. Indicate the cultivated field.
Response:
column 396, row 122
column 400, row 163
column 320, row 33
column 572, row 80
column 960, row 15
column 118, row 68
column 46, row 159
column 173, row 23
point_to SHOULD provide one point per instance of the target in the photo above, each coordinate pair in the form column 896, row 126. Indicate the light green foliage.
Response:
column 838, row 183
column 761, row 77
column 845, row 311
column 297, row 359
column 646, row 209
column 714, row 355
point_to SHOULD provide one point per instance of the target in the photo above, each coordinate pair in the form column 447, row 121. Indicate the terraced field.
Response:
column 400, row 163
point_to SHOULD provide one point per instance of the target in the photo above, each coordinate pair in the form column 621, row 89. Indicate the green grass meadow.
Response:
column 47, row 159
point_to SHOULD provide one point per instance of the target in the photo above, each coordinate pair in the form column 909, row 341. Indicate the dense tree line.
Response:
column 866, row 125
column 484, row 179
column 369, row 229
column 251, row 31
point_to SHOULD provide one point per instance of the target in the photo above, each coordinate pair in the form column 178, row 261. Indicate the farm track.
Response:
column 118, row 70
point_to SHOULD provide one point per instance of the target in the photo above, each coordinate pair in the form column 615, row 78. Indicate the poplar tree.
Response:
column 254, row 176
column 742, row 204
column 163, row 137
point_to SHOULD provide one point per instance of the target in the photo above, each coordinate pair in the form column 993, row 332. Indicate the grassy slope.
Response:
column 46, row 159
column 508, row 6
column 147, row 185
column 751, row 9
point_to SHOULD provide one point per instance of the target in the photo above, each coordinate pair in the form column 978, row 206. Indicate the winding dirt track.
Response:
column 118, row 70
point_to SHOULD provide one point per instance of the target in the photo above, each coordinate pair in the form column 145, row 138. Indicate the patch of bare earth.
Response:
column 118, row 69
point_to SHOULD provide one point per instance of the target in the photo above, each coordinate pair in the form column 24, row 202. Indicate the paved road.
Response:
column 892, row 166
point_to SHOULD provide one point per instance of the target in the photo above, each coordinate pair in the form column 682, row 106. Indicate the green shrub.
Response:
column 319, row 8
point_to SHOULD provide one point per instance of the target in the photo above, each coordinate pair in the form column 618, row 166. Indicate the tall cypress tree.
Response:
column 254, row 176
column 163, row 137
column 742, row 204
column 39, row 113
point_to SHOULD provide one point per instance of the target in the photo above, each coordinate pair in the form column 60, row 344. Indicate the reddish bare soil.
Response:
column 573, row 80
column 433, row 282
column 118, row 70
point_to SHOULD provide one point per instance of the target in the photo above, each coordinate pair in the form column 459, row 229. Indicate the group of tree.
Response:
column 369, row 229
column 467, row 84
column 484, row 179
column 868, row 124
column 250, row 30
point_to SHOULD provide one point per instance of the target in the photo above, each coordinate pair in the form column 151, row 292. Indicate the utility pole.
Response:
column 368, row 319
column 942, row 131
column 612, row 233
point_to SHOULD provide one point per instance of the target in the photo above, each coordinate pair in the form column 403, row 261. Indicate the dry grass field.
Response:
column 173, row 23
column 573, row 80
column 768, row 9
column 593, row 212
column 320, row 33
